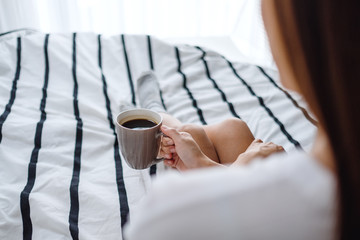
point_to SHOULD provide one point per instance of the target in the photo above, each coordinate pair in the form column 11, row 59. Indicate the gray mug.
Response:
column 139, row 144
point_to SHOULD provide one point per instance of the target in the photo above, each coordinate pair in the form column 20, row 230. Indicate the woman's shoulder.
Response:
column 287, row 195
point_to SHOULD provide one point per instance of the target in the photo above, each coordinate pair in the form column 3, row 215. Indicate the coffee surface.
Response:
column 139, row 124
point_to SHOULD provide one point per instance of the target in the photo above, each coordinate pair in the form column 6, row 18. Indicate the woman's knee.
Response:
column 236, row 129
column 235, row 124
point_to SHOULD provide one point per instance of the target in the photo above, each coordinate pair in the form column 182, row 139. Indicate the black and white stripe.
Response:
column 194, row 102
column 287, row 94
column 151, row 61
column 74, row 186
column 24, row 196
column 8, row 106
column 223, row 95
column 131, row 83
column 123, row 201
column 267, row 109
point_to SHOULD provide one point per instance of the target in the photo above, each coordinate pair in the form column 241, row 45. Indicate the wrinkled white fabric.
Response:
column 284, row 197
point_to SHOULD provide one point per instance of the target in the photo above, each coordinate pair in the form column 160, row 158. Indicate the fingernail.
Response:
column 172, row 150
column 165, row 127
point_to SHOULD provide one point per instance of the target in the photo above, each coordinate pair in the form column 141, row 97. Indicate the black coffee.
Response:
column 139, row 124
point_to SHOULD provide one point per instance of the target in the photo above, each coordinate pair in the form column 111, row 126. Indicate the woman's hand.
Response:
column 257, row 149
column 167, row 151
column 181, row 151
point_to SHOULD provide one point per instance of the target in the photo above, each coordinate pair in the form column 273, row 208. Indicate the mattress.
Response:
column 62, row 175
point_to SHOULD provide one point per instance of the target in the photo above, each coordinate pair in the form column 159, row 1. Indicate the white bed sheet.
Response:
column 53, row 104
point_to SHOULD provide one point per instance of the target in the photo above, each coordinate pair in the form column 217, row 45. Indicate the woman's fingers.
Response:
column 165, row 155
column 171, row 132
column 168, row 150
column 275, row 147
column 167, row 147
column 280, row 148
column 267, row 149
column 166, row 141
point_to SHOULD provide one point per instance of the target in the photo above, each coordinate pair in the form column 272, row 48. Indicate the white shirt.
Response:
column 283, row 197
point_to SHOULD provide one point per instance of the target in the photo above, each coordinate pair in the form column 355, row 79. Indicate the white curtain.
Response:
column 16, row 14
column 164, row 18
column 238, row 19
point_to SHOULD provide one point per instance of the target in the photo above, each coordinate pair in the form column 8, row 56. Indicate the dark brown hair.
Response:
column 322, row 39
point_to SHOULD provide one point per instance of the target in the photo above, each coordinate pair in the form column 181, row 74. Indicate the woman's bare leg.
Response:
column 230, row 138
column 224, row 141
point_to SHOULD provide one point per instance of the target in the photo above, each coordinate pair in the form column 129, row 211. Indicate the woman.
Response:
column 288, row 196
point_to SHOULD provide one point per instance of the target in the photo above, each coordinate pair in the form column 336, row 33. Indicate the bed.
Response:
column 62, row 175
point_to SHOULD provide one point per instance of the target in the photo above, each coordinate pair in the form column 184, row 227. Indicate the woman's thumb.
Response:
column 170, row 132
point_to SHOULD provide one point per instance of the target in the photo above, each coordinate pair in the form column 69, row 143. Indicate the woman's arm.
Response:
column 186, row 153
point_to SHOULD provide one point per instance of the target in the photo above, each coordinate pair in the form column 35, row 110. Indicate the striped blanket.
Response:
column 62, row 175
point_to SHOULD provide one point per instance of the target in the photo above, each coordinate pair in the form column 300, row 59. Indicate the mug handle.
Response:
column 162, row 135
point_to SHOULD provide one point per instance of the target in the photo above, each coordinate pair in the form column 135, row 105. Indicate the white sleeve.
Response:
column 256, row 202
